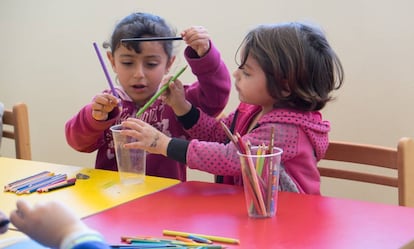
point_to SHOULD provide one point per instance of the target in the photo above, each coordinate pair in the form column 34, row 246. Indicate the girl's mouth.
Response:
column 138, row 86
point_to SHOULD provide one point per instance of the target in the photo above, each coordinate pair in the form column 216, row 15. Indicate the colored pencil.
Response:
column 183, row 239
column 154, row 242
column 19, row 183
column 248, row 186
column 147, row 245
column 52, row 180
column 199, row 239
column 142, row 39
column 25, row 179
column 108, row 77
column 63, row 184
column 32, row 182
column 231, row 137
column 270, row 190
column 254, row 181
column 162, row 89
column 260, row 160
column 210, row 237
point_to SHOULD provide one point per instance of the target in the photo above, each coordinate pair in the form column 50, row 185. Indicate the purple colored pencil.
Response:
column 108, row 77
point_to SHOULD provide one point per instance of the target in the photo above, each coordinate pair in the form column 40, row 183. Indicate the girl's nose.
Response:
column 235, row 73
column 139, row 71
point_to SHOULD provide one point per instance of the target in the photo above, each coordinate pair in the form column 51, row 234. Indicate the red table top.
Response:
column 302, row 221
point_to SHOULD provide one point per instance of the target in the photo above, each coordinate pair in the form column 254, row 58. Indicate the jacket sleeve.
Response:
column 212, row 89
column 92, row 245
column 220, row 158
column 210, row 151
column 207, row 128
column 84, row 133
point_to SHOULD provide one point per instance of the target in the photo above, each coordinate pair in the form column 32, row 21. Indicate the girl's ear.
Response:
column 286, row 89
column 111, row 59
column 169, row 64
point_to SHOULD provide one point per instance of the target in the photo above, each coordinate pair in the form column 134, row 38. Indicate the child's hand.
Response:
column 48, row 223
column 198, row 39
column 148, row 138
column 175, row 97
column 102, row 105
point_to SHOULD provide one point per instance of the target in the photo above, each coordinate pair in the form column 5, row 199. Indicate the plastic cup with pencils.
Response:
column 260, row 170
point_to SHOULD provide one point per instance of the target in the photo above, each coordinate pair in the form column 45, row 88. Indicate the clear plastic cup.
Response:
column 260, row 170
column 131, row 162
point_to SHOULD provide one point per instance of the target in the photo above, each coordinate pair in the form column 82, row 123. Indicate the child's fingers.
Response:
column 178, row 84
column 17, row 216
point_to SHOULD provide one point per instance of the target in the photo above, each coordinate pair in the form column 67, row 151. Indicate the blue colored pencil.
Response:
column 32, row 182
column 52, row 180
column 20, row 182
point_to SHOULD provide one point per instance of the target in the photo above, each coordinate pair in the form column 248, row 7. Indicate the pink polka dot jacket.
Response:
column 303, row 136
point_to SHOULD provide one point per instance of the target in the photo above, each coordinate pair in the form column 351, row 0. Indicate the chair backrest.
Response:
column 400, row 159
column 16, row 126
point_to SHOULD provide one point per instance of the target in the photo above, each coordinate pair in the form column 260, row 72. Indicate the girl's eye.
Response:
column 127, row 63
column 245, row 73
column 243, row 70
column 152, row 64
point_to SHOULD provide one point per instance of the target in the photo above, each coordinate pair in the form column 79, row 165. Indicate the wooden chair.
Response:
column 400, row 159
column 16, row 126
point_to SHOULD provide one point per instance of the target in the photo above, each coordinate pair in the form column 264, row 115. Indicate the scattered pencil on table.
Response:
column 208, row 237
column 45, row 181
column 25, row 179
column 178, row 242
column 163, row 246
column 144, row 39
column 158, row 94
column 59, row 185
column 28, row 182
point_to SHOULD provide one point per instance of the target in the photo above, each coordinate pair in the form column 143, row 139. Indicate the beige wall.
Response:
column 48, row 61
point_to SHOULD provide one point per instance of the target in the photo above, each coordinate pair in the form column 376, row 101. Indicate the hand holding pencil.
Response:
column 102, row 105
column 161, row 91
column 175, row 97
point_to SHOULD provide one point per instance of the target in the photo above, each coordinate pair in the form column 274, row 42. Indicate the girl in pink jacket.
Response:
column 285, row 77
column 140, row 68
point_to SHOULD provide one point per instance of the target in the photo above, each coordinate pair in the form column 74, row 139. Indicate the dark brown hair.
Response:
column 137, row 25
column 296, row 58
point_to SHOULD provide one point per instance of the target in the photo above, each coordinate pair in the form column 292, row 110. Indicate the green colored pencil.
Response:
column 162, row 89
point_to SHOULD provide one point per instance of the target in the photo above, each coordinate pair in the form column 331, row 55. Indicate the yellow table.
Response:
column 101, row 191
